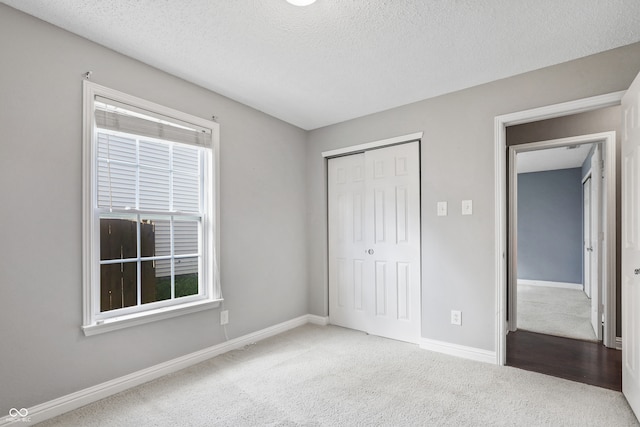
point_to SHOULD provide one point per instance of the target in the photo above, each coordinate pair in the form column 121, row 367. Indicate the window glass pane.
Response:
column 153, row 287
column 118, row 238
column 185, row 237
column 163, row 267
column 186, row 159
column 187, row 277
column 116, row 185
column 154, row 154
column 116, row 148
column 118, row 285
column 154, row 189
column 186, row 192
column 155, row 237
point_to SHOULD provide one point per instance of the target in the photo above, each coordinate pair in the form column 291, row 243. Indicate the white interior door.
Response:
column 631, row 246
column 596, row 246
column 393, row 225
column 346, row 188
column 587, row 250
column 374, row 241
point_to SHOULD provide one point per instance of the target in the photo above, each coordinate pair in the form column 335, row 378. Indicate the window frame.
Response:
column 209, row 296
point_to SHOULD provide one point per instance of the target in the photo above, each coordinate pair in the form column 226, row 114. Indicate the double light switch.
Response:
column 467, row 208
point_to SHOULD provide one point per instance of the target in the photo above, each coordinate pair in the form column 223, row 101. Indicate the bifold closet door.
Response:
column 374, row 241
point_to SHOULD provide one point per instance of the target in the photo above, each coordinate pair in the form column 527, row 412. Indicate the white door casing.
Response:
column 586, row 193
column 596, row 244
column 374, row 241
column 503, row 302
column 630, row 152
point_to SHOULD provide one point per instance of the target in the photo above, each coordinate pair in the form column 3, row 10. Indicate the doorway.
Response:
column 557, row 235
column 546, row 287
column 603, row 218
column 629, row 101
column 504, row 303
column 374, row 241
column 549, row 203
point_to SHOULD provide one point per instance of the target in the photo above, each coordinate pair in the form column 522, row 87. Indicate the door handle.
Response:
column 370, row 251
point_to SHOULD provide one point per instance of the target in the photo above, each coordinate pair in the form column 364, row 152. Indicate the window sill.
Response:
column 127, row 321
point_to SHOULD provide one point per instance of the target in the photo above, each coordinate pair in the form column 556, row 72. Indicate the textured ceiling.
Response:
column 553, row 158
column 340, row 59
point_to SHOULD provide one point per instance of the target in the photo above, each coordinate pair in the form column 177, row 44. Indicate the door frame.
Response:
column 606, row 273
column 500, row 192
column 361, row 148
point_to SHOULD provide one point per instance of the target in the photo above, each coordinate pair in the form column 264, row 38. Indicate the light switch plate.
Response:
column 442, row 208
column 467, row 207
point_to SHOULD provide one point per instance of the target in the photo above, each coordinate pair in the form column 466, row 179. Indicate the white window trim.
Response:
column 211, row 294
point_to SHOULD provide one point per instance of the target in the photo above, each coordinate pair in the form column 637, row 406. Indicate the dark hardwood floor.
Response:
column 581, row 361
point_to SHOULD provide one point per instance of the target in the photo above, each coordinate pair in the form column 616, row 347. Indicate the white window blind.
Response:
column 150, row 173
column 113, row 115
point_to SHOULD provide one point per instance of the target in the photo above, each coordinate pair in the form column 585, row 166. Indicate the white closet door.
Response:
column 374, row 242
column 346, row 190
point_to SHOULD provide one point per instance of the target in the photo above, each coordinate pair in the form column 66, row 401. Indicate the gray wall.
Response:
column 43, row 353
column 457, row 160
column 600, row 120
column 550, row 225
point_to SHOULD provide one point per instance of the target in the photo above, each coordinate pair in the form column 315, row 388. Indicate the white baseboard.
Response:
column 80, row 398
column 563, row 285
column 459, row 350
column 618, row 343
column 318, row 320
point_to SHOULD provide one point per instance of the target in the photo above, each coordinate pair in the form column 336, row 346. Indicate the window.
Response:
column 150, row 211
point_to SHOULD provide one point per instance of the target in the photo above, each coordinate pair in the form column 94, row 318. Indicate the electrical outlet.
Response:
column 224, row 317
column 456, row 317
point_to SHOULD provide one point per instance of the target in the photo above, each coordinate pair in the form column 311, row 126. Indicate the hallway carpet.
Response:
column 555, row 311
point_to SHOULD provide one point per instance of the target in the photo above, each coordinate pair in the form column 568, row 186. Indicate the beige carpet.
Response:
column 555, row 311
column 329, row 376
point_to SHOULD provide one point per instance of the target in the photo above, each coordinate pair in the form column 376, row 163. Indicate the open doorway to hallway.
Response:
column 558, row 260
column 558, row 212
